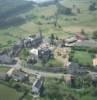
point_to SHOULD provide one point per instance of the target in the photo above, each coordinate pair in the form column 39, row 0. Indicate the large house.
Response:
column 19, row 75
column 33, row 41
column 37, row 86
column 5, row 59
column 86, row 44
column 45, row 53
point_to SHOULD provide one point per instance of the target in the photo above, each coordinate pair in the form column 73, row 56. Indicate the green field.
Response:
column 83, row 57
column 4, row 69
column 7, row 93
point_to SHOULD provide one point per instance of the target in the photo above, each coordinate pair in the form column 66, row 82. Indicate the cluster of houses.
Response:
column 8, row 56
column 77, row 38
column 41, row 50
column 81, row 41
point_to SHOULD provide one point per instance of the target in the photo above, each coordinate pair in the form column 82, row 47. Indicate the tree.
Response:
column 92, row 7
column 52, row 37
column 83, row 32
column 52, row 88
column 94, row 35
column 78, row 10
column 57, row 13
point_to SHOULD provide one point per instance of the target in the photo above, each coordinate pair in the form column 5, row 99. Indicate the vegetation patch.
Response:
column 82, row 57
column 4, row 69
column 7, row 93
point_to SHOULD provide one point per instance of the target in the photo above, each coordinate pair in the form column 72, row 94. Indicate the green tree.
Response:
column 92, row 7
column 94, row 35
column 52, row 37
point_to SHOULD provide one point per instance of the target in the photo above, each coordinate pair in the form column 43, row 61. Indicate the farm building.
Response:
column 5, row 59
column 17, row 74
column 45, row 53
column 37, row 86
column 33, row 41
column 70, row 41
column 81, row 37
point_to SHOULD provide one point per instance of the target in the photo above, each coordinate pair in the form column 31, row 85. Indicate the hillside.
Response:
column 19, row 18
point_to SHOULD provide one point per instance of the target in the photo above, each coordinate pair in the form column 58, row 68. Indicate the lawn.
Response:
column 4, row 69
column 7, row 93
column 83, row 57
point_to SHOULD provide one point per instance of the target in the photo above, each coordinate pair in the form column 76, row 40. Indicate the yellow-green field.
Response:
column 7, row 93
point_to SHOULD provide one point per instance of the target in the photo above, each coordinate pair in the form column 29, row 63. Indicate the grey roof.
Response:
column 18, row 75
column 38, row 83
column 75, row 68
column 87, row 43
column 5, row 59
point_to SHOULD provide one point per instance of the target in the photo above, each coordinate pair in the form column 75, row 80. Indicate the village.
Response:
column 35, row 58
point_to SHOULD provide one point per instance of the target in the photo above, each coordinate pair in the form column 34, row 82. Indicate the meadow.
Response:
column 7, row 93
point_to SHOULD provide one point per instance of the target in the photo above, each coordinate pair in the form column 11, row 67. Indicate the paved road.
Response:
column 44, row 74
column 34, row 72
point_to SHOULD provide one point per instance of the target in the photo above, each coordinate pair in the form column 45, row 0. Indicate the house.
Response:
column 95, row 62
column 33, row 41
column 5, row 59
column 37, row 86
column 75, row 69
column 45, row 53
column 16, row 49
column 70, row 41
column 79, row 36
column 32, row 60
column 19, row 75
column 86, row 44
column 34, row 52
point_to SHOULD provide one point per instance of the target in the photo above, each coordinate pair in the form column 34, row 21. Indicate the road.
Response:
column 18, row 65
column 37, row 72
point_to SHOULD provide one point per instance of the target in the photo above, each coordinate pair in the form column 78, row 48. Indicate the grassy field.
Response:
column 4, row 69
column 83, row 57
column 85, row 20
column 7, row 93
